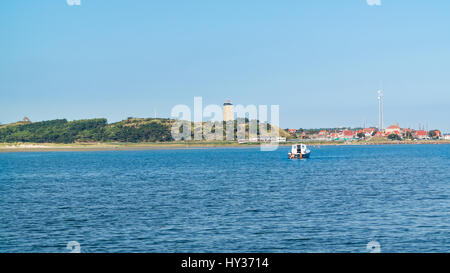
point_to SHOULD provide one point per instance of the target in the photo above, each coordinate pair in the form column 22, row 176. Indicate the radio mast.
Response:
column 380, row 102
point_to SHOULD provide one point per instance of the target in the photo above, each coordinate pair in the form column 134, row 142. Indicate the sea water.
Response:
column 227, row 200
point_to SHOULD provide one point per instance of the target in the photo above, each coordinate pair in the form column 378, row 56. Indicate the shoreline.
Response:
column 51, row 147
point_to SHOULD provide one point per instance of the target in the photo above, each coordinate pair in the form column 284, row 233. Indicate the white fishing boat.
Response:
column 299, row 151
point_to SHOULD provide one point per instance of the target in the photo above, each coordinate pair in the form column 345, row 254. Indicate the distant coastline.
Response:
column 51, row 147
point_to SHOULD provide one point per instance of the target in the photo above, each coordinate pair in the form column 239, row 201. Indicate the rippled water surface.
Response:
column 227, row 200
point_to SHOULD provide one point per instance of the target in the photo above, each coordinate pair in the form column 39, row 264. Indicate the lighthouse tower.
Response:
column 228, row 111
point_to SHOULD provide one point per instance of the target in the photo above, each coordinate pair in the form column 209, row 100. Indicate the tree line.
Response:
column 89, row 130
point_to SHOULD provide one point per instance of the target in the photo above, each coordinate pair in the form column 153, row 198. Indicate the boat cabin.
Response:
column 298, row 149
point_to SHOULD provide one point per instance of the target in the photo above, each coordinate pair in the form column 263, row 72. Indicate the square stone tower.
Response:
column 228, row 111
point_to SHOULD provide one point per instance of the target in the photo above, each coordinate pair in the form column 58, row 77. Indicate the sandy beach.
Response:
column 52, row 147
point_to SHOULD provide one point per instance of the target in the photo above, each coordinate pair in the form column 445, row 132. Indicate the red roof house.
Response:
column 393, row 129
column 421, row 134
column 347, row 133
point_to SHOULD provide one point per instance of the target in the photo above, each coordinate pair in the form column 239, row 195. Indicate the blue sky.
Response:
column 322, row 61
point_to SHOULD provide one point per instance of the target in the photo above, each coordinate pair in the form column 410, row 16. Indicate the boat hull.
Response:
column 300, row 156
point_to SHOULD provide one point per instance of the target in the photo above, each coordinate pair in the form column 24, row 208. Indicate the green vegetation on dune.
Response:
column 91, row 130
column 131, row 130
column 138, row 130
column 54, row 131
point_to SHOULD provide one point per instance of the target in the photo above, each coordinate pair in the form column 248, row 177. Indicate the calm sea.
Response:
column 227, row 200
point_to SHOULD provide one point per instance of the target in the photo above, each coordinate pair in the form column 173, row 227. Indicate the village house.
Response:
column 369, row 131
column 322, row 135
column 435, row 134
column 334, row 136
column 421, row 134
column 359, row 132
column 405, row 131
column 347, row 134
column 393, row 129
